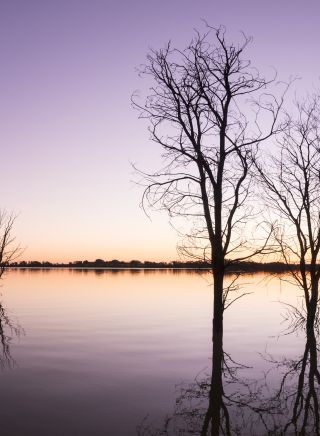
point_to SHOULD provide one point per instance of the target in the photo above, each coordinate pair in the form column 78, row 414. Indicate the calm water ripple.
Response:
column 131, row 354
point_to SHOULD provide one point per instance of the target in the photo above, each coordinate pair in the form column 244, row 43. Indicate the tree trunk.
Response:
column 216, row 383
column 313, row 301
column 218, row 277
column 213, row 416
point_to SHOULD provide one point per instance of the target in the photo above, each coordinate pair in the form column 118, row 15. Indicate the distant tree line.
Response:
column 276, row 267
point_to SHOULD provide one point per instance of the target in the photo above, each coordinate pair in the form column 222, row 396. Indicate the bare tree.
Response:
column 9, row 251
column 291, row 177
column 202, row 114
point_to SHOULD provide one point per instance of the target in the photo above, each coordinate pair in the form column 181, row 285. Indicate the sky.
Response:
column 68, row 133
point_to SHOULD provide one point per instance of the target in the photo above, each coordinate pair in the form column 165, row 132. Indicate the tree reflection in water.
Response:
column 225, row 403
column 297, row 397
column 219, row 403
column 8, row 329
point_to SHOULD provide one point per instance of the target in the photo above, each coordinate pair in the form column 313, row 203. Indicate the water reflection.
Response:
column 284, row 401
column 101, row 347
column 8, row 329
column 220, row 403
column 297, row 398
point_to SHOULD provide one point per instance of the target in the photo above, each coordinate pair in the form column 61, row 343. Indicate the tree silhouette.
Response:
column 9, row 251
column 202, row 114
column 291, row 179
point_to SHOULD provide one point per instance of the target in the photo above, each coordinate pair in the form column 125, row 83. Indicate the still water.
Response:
column 96, row 353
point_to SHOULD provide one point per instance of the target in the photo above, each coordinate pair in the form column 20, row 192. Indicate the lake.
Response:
column 129, row 353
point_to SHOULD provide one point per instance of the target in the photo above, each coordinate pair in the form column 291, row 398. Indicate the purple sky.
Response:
column 68, row 132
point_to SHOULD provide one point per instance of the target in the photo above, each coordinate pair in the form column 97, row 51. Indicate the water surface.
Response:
column 100, row 352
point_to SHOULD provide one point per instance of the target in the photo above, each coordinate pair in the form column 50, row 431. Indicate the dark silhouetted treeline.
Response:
column 99, row 263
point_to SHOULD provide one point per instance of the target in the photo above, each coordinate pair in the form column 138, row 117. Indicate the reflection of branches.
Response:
column 225, row 403
column 228, row 405
column 8, row 329
column 219, row 403
column 232, row 288
column 296, row 318
column 297, row 397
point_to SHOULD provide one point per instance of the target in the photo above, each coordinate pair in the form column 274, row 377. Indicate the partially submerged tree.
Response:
column 9, row 251
column 202, row 114
column 291, row 177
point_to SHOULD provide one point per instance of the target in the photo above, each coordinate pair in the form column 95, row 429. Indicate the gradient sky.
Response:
column 67, row 129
